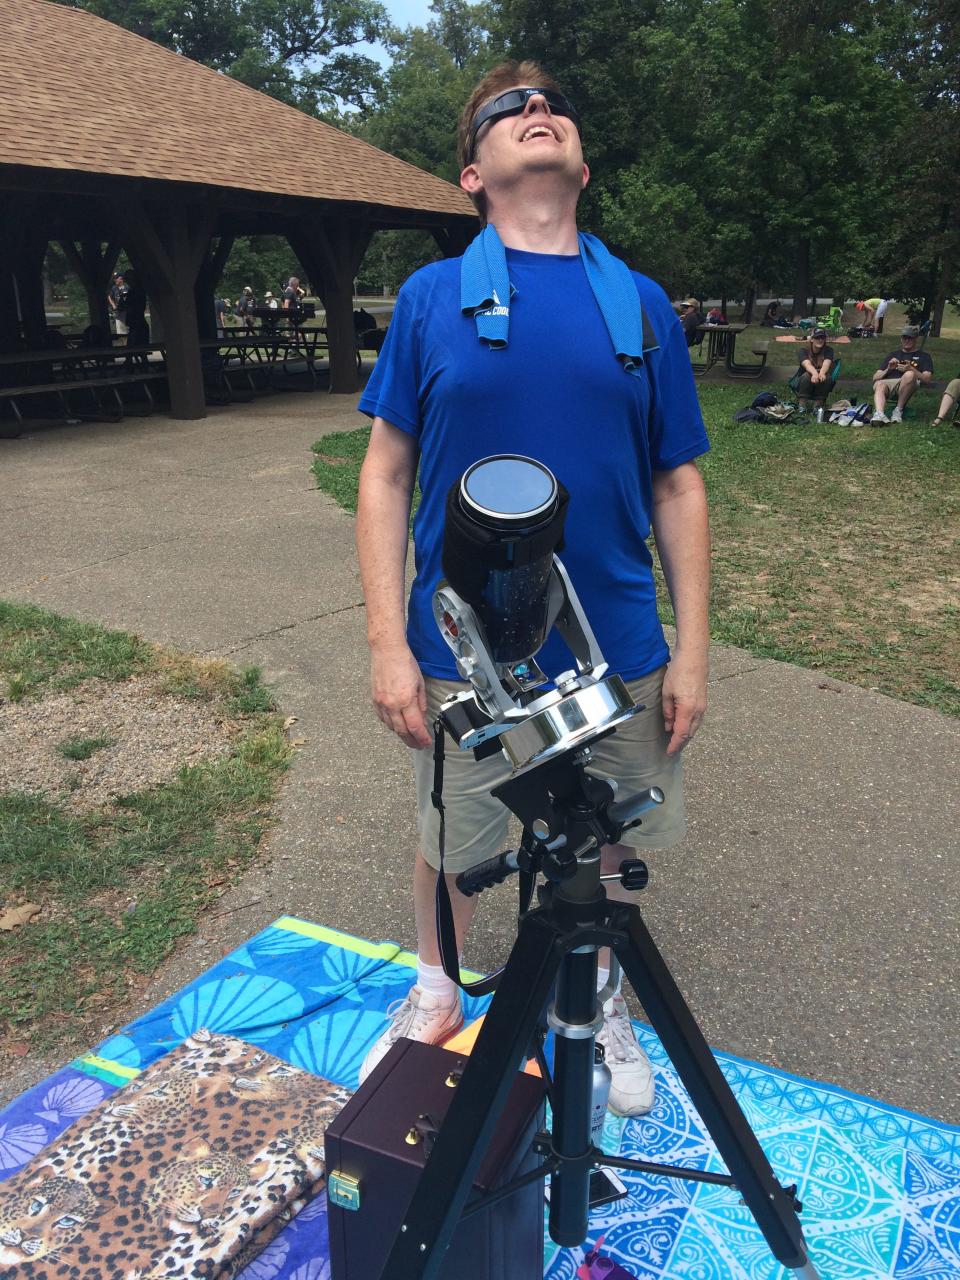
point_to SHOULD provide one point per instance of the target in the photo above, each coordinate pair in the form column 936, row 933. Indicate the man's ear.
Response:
column 586, row 177
column 470, row 180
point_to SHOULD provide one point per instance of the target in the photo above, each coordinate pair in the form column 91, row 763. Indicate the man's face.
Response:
column 534, row 142
column 908, row 342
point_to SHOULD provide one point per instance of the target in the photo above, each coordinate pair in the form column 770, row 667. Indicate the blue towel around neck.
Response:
column 486, row 291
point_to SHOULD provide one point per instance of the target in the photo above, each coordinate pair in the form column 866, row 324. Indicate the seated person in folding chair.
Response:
column 900, row 375
column 815, row 378
column 948, row 404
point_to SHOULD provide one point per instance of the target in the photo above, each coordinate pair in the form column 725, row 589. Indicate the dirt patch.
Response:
column 147, row 735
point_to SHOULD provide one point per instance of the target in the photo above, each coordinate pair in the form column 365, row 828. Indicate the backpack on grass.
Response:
column 767, row 408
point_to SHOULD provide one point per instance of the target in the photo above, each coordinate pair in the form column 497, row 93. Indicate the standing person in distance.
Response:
column 533, row 343
column 291, row 302
column 691, row 318
column 117, row 300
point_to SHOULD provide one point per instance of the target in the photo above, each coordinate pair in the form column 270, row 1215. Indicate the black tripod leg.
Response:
column 458, row 1152
column 711, row 1095
column 576, row 1007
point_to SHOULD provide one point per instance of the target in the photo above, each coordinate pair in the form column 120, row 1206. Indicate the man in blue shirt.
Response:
column 621, row 434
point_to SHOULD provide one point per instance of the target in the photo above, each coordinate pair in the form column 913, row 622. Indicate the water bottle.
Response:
column 819, row 415
column 601, row 1092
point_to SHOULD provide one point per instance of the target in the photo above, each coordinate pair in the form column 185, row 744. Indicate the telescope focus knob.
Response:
column 634, row 874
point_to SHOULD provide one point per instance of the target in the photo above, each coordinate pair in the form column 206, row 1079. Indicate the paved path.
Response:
column 810, row 917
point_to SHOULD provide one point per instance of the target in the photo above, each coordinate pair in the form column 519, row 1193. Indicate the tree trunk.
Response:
column 801, row 292
column 944, row 285
column 748, row 304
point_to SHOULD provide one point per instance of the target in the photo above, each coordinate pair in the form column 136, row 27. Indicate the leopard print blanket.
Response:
column 188, row 1171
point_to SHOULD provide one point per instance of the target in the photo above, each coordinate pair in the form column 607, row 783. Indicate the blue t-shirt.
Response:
column 556, row 393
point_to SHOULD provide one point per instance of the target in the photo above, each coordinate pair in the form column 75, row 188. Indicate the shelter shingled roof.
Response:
column 120, row 104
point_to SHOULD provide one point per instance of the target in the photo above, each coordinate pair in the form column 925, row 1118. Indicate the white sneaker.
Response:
column 632, row 1087
column 879, row 418
column 420, row 1016
column 897, row 415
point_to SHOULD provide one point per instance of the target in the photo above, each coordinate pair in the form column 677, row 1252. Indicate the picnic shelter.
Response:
column 110, row 142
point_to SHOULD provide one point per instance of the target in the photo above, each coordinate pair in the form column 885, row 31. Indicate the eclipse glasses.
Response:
column 513, row 102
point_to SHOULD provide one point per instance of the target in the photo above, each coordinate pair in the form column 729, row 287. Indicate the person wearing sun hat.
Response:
column 899, row 375
column 691, row 317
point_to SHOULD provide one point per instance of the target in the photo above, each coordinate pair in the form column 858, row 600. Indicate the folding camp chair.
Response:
column 832, row 321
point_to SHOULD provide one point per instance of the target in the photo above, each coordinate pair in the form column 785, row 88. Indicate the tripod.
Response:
column 568, row 814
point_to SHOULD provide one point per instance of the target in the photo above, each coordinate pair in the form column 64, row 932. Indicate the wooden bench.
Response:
column 61, row 390
column 761, row 348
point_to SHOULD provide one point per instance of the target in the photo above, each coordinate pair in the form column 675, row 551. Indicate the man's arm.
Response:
column 383, row 516
column 681, row 528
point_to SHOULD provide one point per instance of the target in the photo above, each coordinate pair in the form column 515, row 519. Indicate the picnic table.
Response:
column 265, row 353
column 722, row 345
column 85, row 375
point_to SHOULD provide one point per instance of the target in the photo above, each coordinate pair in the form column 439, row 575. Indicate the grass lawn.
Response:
column 113, row 884
column 833, row 548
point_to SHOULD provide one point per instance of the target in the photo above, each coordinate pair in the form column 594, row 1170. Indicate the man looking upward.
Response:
column 518, row 347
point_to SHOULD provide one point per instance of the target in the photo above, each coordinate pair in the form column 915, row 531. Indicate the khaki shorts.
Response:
column 476, row 822
column 893, row 385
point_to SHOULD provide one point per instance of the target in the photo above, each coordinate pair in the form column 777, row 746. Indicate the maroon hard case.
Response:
column 367, row 1141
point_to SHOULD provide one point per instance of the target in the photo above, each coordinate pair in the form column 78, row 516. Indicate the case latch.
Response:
column 344, row 1190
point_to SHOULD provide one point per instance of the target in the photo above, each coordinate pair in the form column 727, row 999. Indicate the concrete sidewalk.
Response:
column 811, row 916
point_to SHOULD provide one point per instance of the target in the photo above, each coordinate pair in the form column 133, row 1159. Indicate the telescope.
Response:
column 504, row 588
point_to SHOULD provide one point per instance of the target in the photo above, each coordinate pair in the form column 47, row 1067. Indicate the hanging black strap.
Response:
column 446, row 931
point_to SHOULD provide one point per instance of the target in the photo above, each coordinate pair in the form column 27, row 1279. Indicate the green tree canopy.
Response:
column 300, row 51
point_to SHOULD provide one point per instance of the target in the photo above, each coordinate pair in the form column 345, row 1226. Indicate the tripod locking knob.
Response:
column 634, row 874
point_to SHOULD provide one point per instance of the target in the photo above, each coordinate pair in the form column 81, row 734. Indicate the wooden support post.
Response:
column 94, row 269
column 15, row 218
column 167, row 243
column 453, row 240
column 331, row 250
column 29, row 272
column 208, row 277
column 9, row 312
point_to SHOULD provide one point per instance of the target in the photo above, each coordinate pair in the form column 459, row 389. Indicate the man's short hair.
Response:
column 505, row 75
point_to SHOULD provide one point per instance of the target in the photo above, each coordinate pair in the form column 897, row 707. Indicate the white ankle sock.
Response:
column 431, row 977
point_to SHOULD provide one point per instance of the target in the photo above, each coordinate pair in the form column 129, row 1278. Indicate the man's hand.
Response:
column 399, row 696
column 684, row 700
